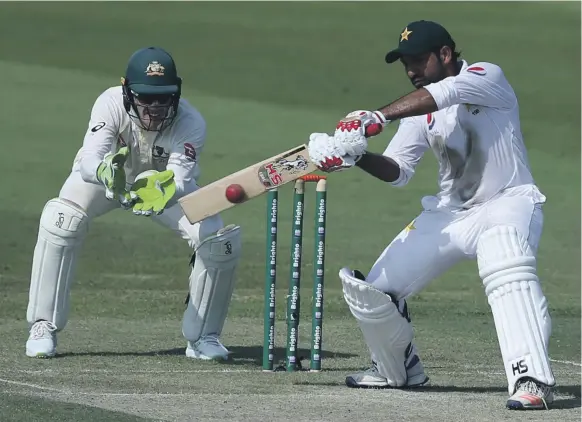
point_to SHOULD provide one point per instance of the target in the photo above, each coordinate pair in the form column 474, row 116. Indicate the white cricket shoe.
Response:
column 530, row 395
column 371, row 378
column 207, row 348
column 42, row 341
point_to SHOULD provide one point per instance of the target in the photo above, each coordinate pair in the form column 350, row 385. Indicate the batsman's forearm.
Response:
column 379, row 166
column 417, row 103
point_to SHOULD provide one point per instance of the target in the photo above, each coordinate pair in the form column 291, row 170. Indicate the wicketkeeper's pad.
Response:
column 211, row 283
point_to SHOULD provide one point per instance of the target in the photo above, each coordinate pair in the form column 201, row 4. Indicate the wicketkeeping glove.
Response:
column 112, row 175
column 152, row 191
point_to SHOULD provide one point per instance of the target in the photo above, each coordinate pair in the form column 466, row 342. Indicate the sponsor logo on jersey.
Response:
column 98, row 127
column 477, row 70
column 430, row 120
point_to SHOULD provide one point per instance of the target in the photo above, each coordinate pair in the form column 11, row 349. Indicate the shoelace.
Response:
column 538, row 390
column 373, row 369
column 209, row 339
column 42, row 329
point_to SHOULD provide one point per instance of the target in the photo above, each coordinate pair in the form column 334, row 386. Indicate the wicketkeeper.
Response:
column 141, row 152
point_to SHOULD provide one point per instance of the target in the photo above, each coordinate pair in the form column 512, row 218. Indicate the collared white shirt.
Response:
column 176, row 148
column 475, row 136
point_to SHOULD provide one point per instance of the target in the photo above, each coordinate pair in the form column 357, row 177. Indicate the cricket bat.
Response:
column 255, row 180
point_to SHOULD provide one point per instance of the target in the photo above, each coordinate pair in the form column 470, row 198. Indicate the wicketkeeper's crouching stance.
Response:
column 488, row 208
column 140, row 153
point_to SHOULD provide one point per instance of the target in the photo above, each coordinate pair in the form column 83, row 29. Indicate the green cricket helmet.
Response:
column 151, row 88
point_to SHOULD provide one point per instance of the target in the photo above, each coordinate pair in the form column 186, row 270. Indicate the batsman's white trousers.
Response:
column 502, row 235
column 439, row 238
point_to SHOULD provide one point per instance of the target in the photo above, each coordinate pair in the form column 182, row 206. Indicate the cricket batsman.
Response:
column 488, row 209
column 141, row 153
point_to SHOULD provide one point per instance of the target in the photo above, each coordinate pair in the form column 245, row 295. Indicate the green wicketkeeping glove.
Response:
column 152, row 191
column 112, row 175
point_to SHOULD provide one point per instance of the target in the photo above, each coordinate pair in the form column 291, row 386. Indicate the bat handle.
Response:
column 373, row 129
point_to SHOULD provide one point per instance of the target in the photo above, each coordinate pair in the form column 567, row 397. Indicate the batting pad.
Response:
column 62, row 228
column 212, row 283
column 507, row 266
column 386, row 332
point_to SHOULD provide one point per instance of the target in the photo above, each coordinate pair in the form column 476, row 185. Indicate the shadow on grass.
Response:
column 240, row 355
column 560, row 402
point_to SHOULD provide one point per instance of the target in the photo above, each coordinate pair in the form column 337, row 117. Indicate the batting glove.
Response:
column 352, row 132
column 325, row 155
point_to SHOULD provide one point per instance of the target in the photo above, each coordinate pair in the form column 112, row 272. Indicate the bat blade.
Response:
column 256, row 180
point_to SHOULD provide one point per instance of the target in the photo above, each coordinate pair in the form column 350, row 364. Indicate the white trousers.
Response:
column 62, row 232
column 502, row 235
column 437, row 239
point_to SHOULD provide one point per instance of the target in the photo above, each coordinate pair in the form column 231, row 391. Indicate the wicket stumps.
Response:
column 293, row 296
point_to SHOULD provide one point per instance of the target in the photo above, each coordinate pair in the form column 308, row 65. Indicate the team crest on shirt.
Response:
column 477, row 70
column 160, row 154
column 430, row 120
column 410, row 226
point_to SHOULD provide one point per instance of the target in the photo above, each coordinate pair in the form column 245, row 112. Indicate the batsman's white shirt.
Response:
column 176, row 148
column 484, row 178
column 475, row 136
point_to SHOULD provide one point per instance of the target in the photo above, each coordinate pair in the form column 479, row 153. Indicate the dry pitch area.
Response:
column 135, row 383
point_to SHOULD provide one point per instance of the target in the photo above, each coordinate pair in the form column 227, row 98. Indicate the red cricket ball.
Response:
column 235, row 193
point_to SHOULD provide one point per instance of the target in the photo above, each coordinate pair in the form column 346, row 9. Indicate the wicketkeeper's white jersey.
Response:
column 475, row 135
column 176, row 148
